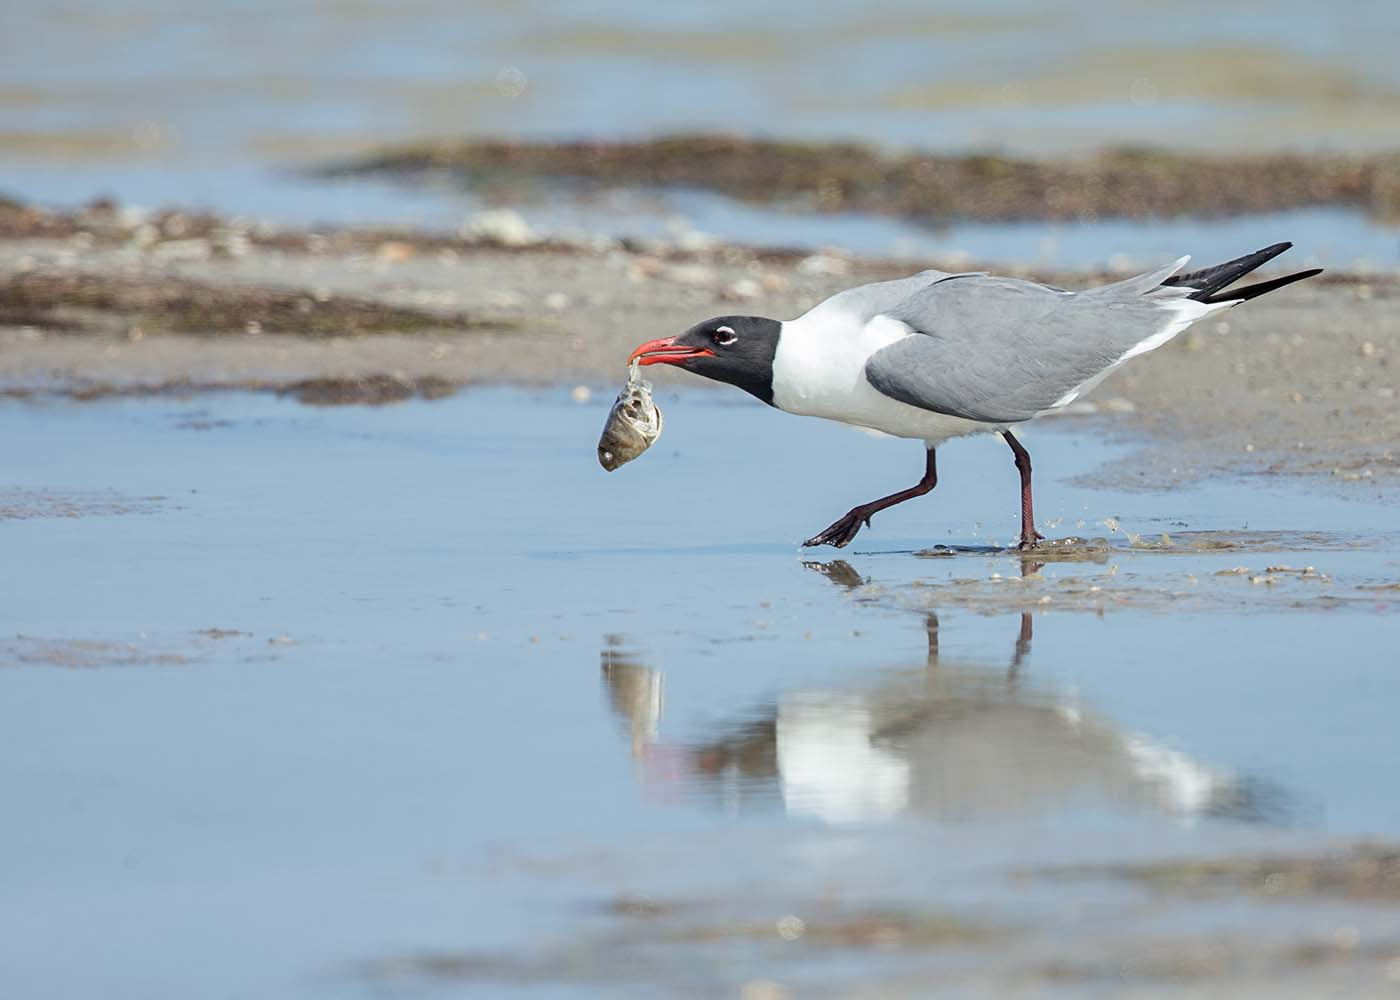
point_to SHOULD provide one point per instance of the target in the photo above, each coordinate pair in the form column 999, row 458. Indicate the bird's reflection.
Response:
column 949, row 740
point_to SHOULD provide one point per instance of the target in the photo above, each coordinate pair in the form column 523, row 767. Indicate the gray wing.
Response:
column 1001, row 350
column 868, row 301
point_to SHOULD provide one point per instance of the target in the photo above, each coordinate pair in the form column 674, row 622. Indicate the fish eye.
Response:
column 724, row 336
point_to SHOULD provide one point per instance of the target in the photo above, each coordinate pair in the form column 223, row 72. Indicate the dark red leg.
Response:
column 1029, row 536
column 841, row 533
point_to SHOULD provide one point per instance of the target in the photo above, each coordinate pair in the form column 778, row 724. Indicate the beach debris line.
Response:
column 634, row 422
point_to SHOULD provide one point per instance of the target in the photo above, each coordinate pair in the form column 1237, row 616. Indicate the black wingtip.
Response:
column 1210, row 280
column 1259, row 288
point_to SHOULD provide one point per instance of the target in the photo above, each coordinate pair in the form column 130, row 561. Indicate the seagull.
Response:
column 940, row 355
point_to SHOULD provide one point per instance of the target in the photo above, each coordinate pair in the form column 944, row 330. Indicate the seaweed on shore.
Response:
column 925, row 187
column 164, row 304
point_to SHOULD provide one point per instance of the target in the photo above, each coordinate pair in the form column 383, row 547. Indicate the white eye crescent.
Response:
column 724, row 336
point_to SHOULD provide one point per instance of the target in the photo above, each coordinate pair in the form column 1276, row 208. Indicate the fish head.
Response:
column 612, row 459
column 734, row 349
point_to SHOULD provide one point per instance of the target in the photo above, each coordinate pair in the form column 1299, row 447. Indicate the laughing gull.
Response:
column 938, row 355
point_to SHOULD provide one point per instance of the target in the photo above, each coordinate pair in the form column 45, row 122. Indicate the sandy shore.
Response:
column 1302, row 382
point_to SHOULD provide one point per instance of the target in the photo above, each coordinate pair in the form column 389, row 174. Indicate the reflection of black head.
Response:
column 740, row 351
column 634, row 691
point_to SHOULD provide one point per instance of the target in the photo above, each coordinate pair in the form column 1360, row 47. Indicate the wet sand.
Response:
column 103, row 302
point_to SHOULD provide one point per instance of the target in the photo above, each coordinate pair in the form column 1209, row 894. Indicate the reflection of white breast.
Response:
column 826, row 763
column 846, row 758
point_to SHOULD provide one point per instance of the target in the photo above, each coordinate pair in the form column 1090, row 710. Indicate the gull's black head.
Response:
column 734, row 349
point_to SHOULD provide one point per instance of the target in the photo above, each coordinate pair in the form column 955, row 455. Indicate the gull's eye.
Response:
column 724, row 336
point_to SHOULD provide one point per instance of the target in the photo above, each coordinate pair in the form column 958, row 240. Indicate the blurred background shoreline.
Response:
column 365, row 202
column 234, row 109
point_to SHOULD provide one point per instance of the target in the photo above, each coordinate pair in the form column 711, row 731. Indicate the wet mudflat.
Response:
column 418, row 699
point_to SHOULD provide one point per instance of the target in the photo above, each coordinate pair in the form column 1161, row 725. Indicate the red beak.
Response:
column 667, row 351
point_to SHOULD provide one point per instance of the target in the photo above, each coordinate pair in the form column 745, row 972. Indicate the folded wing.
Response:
column 1002, row 350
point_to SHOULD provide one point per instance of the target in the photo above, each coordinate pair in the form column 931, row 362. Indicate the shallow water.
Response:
column 348, row 699
column 1327, row 237
column 1338, row 238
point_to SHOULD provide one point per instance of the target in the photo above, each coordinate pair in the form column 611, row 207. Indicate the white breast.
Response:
column 819, row 371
